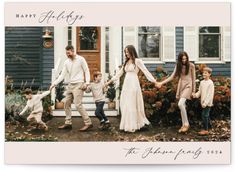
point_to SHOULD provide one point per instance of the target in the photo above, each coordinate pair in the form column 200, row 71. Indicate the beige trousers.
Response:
column 36, row 116
column 74, row 93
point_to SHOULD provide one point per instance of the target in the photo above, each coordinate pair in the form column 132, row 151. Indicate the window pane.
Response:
column 209, row 45
column 88, row 38
column 209, row 29
column 149, row 42
column 69, row 35
column 149, row 29
column 107, row 49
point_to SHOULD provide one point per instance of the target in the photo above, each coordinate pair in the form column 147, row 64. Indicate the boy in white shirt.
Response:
column 34, row 103
column 206, row 92
column 98, row 91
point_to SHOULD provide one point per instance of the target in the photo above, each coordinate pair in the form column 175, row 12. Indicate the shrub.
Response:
column 15, row 102
column 161, row 105
column 111, row 93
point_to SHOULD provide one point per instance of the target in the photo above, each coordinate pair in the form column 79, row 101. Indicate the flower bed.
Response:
column 161, row 104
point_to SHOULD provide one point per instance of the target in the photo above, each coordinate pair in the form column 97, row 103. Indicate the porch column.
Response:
column 115, row 46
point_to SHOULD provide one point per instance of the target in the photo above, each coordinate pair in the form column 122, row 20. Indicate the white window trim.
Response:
column 196, row 43
column 147, row 60
column 153, row 62
column 225, row 33
column 174, row 47
column 211, row 60
column 102, row 49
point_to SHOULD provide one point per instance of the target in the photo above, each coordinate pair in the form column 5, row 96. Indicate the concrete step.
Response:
column 89, row 105
column 87, row 99
column 90, row 111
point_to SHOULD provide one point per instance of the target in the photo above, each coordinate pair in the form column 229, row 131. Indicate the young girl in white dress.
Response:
column 131, row 101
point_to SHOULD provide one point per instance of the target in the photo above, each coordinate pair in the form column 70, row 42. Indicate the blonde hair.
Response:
column 209, row 70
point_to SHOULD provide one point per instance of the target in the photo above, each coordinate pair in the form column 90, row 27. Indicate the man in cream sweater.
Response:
column 75, row 67
column 206, row 92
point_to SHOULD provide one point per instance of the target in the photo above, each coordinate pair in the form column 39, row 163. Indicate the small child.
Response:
column 206, row 92
column 34, row 103
column 98, row 91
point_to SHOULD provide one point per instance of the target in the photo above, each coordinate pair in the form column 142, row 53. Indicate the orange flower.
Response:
column 217, row 98
column 228, row 93
column 220, row 88
column 152, row 94
column 159, row 69
column 148, row 94
column 163, row 89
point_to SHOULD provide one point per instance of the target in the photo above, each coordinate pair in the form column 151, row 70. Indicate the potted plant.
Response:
column 59, row 96
column 111, row 94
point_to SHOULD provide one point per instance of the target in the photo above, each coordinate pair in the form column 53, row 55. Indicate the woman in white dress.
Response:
column 131, row 101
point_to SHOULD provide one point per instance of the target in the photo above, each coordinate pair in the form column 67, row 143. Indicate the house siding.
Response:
column 179, row 40
column 25, row 57
column 47, row 65
column 218, row 69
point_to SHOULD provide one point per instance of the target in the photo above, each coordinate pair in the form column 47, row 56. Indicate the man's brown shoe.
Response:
column 86, row 127
column 65, row 127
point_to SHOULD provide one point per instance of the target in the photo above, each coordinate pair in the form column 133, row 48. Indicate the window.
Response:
column 106, row 49
column 209, row 43
column 149, row 42
column 69, row 35
column 88, row 38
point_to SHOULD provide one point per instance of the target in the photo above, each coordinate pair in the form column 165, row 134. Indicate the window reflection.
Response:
column 209, row 42
column 88, row 38
column 149, row 42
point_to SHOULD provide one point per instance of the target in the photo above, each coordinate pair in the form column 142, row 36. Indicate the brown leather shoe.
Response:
column 65, row 127
column 86, row 127
column 203, row 132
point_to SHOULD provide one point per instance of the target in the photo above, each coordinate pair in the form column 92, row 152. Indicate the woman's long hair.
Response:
column 180, row 64
column 133, row 54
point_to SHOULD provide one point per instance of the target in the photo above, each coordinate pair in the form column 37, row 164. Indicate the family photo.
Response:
column 118, row 84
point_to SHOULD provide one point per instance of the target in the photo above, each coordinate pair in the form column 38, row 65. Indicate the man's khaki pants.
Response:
column 75, row 93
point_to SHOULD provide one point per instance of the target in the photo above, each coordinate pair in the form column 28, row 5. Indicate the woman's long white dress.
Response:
column 131, row 101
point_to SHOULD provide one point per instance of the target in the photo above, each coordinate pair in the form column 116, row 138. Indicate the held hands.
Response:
column 158, row 84
column 107, row 83
column 84, row 87
column 105, row 88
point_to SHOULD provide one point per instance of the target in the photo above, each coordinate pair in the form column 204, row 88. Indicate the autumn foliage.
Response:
column 161, row 106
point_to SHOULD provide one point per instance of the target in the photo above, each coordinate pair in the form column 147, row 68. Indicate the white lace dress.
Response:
column 131, row 100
